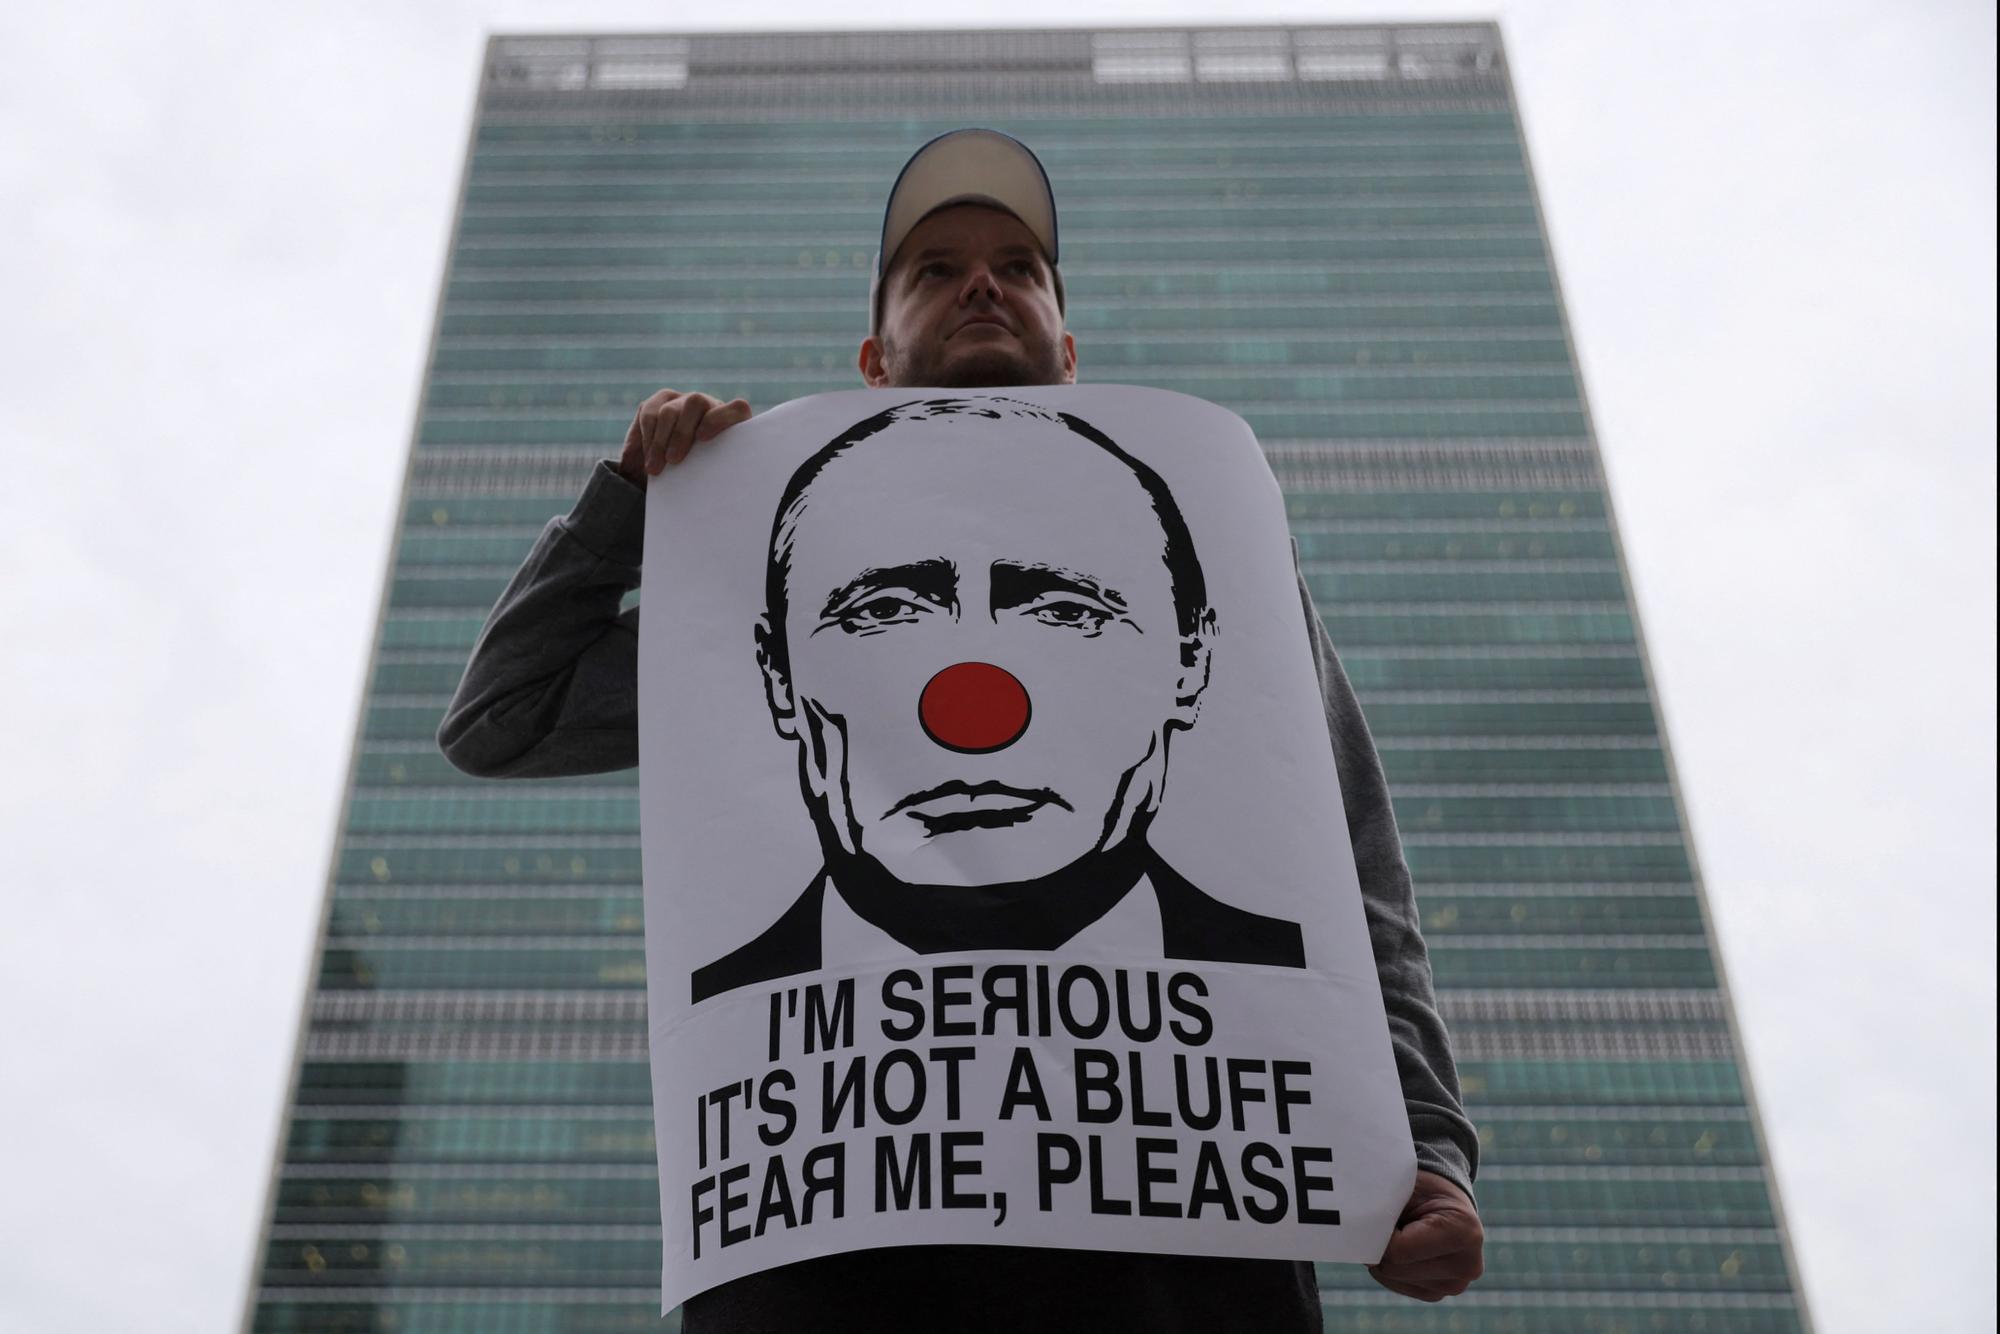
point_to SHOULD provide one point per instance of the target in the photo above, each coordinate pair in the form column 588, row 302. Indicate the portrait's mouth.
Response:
column 952, row 807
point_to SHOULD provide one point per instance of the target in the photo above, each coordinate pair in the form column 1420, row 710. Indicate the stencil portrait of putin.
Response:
column 984, row 622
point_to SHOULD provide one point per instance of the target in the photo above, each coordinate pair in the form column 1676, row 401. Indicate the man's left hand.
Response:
column 1436, row 1250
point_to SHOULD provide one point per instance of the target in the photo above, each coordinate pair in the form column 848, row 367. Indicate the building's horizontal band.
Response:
column 507, row 964
column 1608, row 1311
column 1491, row 1042
column 1410, row 426
column 1493, row 747
column 1635, row 1236
column 1266, row 306
column 1680, row 1005
column 428, row 679
column 776, row 98
column 568, row 390
column 1351, row 229
column 670, row 357
column 982, row 98
column 1341, row 595
column 552, row 1006
column 1554, row 838
column 1217, row 115
column 1555, row 897
column 1105, row 322
column 763, row 347
column 413, row 1260
column 594, row 258
column 530, row 1114
column 524, row 1231
column 558, row 471
column 468, row 943
column 454, row 1173
column 1528, row 513
column 1464, row 1310
column 1063, row 146
column 1101, row 163
column 1596, row 1137
column 542, row 1006
column 393, row 1194
column 857, row 224
column 600, row 1082
column 1407, row 426
column 1325, row 174
column 627, row 840
column 1534, row 915
column 490, row 1044
column 1470, row 1041
column 510, row 914
column 619, row 786
column 608, row 860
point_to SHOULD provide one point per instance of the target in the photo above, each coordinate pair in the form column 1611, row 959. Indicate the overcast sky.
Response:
column 221, row 237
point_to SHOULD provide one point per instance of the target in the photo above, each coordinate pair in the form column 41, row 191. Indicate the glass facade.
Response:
column 1333, row 231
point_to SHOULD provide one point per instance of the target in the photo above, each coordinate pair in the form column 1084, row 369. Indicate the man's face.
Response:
column 969, row 302
column 895, row 578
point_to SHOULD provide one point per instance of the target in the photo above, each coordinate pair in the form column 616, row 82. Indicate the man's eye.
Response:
column 1022, row 268
column 1071, row 615
column 935, row 269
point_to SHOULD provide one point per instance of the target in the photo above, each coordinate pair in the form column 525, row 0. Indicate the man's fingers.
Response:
column 657, row 419
column 668, row 424
column 1428, row 1238
column 718, row 420
column 680, row 439
column 1461, row 1269
column 1407, row 1289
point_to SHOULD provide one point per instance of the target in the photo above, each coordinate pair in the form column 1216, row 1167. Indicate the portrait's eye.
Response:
column 878, row 611
column 1070, row 614
column 937, row 268
column 1022, row 268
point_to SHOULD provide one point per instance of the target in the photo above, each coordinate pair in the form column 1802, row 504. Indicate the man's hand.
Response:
column 667, row 426
column 1435, row 1251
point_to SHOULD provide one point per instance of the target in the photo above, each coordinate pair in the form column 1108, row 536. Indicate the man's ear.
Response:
column 777, row 687
column 869, row 361
column 1069, row 357
column 1193, row 678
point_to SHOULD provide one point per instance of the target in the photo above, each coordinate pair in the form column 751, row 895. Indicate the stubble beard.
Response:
column 928, row 366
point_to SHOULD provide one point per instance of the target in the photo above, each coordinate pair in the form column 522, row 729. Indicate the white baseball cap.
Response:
column 965, row 167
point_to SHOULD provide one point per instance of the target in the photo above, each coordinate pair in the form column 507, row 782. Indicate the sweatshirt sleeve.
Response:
column 552, row 687
column 1444, row 1138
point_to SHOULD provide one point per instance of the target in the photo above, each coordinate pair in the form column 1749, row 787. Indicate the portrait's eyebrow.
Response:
column 1016, row 584
column 936, row 580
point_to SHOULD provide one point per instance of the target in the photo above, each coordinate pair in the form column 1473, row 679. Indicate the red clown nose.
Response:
column 974, row 708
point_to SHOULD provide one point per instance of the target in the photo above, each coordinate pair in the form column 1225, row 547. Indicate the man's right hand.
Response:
column 667, row 426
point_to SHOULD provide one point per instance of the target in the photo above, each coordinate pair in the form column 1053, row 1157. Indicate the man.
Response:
column 1014, row 816
column 968, row 295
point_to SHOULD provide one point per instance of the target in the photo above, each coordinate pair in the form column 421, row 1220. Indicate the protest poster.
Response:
column 997, row 886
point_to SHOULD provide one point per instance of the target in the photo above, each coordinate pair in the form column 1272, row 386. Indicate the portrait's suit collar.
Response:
column 789, row 945
column 1191, row 924
column 1197, row 926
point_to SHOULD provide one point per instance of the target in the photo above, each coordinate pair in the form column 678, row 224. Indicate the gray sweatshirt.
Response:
column 552, row 689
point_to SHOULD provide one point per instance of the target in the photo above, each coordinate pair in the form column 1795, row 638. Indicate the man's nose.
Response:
column 979, row 282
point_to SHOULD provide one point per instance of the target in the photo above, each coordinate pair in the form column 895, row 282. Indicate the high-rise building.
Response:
column 1331, row 230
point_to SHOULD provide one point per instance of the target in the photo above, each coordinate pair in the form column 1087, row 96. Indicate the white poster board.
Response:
column 935, row 951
